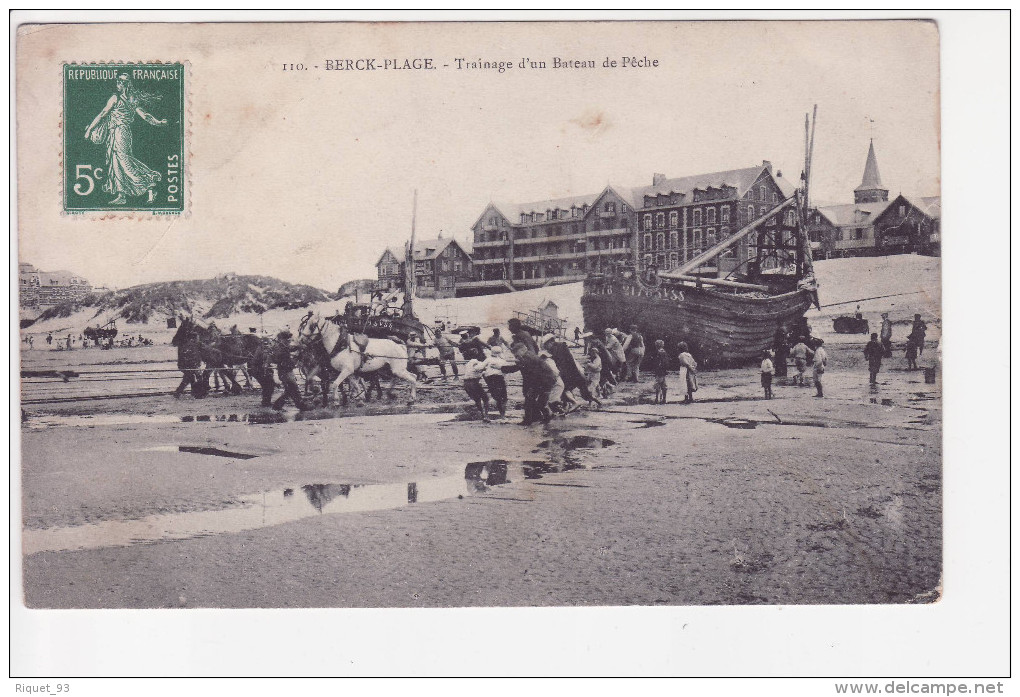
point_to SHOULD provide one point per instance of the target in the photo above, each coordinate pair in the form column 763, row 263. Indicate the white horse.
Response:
column 356, row 353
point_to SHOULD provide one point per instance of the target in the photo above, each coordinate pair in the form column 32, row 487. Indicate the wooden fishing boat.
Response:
column 388, row 322
column 722, row 326
column 724, row 321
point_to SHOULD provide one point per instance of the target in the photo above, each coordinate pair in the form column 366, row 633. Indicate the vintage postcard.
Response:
column 439, row 315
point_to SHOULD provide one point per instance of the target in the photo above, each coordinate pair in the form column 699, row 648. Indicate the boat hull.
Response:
column 722, row 329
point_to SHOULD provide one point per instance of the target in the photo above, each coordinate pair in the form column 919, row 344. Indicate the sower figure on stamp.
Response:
column 125, row 174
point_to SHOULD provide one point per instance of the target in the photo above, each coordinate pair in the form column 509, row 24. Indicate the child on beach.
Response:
column 911, row 353
column 494, row 378
column 767, row 370
column 660, row 367
column 801, row 354
column 474, row 371
column 593, row 370
column 688, row 373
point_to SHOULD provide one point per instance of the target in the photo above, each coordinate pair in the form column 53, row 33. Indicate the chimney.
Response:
column 658, row 179
column 767, row 165
column 779, row 174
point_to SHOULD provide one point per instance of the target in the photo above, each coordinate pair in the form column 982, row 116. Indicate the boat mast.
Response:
column 803, row 211
column 809, row 150
column 409, row 271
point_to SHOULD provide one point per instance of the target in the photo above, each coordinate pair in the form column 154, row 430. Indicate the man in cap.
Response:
column 615, row 349
column 781, row 350
column 801, row 354
column 471, row 343
column 283, row 356
column 917, row 333
column 635, row 350
column 497, row 340
column 446, row 351
column 570, row 372
column 818, row 366
column 873, row 352
column 538, row 379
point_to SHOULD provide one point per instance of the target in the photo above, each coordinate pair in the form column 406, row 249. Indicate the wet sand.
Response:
column 151, row 502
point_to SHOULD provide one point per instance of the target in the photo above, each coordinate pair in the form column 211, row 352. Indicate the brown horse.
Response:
column 221, row 354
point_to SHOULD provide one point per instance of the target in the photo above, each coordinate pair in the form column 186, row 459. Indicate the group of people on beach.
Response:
column 70, row 341
column 880, row 345
column 553, row 381
column 806, row 350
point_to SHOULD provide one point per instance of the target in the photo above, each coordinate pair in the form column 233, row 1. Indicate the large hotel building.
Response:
column 526, row 245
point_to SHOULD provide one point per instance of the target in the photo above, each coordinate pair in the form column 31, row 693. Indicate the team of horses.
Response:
column 346, row 364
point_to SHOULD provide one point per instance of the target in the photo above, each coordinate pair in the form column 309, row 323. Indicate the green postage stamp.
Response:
column 124, row 137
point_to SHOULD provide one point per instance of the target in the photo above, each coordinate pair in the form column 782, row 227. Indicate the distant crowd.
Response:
column 70, row 342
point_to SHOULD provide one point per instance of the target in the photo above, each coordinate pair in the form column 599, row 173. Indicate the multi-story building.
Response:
column 440, row 266
column 873, row 225
column 678, row 219
column 47, row 288
column 901, row 226
column 558, row 241
column 390, row 269
column 526, row 245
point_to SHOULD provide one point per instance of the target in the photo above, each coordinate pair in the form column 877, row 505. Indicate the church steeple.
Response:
column 871, row 184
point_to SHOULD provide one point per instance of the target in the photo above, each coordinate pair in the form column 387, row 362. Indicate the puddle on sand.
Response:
column 577, row 442
column 648, row 423
column 257, row 511
column 750, row 424
column 35, row 422
column 283, row 506
column 207, row 450
column 747, row 424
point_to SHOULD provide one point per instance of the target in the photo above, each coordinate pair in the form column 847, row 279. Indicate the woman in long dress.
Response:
column 688, row 373
column 125, row 174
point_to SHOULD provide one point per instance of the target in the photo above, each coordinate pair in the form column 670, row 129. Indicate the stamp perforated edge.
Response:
column 120, row 214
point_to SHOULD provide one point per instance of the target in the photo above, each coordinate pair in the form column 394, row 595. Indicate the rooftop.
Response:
column 846, row 214
column 739, row 179
column 871, row 179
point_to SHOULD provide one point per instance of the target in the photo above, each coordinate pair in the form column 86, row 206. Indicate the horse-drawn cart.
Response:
column 101, row 332
column 390, row 323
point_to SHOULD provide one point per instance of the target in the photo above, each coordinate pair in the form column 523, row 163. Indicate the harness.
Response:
column 353, row 344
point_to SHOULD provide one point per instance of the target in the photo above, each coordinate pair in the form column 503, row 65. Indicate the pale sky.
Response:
column 309, row 176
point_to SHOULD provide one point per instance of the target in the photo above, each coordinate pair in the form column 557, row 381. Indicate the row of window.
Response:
column 764, row 195
column 445, row 265
column 852, row 234
column 562, row 213
column 709, row 217
column 695, row 239
column 672, row 260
